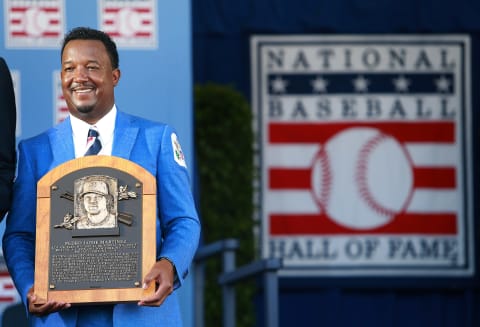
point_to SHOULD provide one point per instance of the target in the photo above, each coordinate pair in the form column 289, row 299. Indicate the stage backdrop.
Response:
column 154, row 43
column 384, row 54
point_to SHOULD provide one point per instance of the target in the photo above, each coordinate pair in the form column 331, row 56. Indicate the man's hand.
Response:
column 43, row 308
column 163, row 274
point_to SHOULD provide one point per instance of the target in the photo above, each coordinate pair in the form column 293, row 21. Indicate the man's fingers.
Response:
column 158, row 297
column 46, row 308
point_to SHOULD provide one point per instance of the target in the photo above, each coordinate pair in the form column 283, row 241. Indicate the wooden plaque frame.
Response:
column 48, row 194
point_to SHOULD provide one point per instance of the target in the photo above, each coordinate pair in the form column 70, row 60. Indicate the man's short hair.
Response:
column 87, row 33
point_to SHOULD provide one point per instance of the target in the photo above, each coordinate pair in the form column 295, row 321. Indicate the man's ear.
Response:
column 116, row 76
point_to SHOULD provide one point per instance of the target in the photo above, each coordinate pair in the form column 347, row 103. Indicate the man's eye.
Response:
column 68, row 69
column 92, row 67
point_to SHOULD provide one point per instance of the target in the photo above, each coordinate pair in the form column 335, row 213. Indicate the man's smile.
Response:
column 83, row 89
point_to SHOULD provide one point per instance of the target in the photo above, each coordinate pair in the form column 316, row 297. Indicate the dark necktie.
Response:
column 93, row 143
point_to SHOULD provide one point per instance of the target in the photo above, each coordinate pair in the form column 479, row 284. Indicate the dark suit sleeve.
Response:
column 8, row 119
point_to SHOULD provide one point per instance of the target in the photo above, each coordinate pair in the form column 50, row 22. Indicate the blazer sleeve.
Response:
column 7, row 135
column 19, row 237
column 178, row 218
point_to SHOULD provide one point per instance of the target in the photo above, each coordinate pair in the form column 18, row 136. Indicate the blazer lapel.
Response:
column 61, row 141
column 124, row 136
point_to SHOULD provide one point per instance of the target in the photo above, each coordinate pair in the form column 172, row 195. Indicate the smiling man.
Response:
column 90, row 71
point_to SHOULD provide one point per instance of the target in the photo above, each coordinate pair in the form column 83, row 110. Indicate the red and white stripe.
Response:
column 128, row 21
column 292, row 210
column 8, row 292
column 35, row 21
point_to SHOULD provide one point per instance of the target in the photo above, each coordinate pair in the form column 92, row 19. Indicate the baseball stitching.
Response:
column 361, row 176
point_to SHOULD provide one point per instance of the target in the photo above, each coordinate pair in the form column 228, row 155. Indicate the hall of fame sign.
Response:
column 34, row 23
column 132, row 23
column 365, row 154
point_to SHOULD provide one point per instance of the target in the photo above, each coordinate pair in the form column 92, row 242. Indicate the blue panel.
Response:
column 155, row 83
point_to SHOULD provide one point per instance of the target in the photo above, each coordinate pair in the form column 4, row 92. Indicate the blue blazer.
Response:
column 144, row 142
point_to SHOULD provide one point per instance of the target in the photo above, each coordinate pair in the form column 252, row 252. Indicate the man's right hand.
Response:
column 42, row 309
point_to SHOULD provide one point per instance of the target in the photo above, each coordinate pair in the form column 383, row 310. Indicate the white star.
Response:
column 401, row 83
column 319, row 84
column 443, row 84
column 361, row 84
column 279, row 85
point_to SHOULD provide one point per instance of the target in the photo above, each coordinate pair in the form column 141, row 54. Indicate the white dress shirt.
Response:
column 105, row 128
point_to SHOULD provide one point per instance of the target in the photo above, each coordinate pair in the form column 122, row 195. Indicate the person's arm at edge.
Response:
column 7, row 135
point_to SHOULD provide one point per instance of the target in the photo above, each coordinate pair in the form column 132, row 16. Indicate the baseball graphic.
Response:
column 36, row 22
column 362, row 178
column 128, row 22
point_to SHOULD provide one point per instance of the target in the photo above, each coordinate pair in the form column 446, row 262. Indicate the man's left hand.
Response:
column 163, row 275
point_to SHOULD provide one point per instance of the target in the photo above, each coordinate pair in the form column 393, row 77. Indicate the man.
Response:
column 7, row 135
column 97, row 202
column 89, row 75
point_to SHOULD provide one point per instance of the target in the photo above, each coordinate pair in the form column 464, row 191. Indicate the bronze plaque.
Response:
column 96, row 222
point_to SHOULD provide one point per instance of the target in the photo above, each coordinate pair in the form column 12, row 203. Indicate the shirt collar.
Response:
column 105, row 127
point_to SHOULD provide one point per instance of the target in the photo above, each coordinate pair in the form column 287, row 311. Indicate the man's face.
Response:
column 88, row 79
column 95, row 203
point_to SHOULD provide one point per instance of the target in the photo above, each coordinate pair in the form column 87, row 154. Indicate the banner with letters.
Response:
column 365, row 158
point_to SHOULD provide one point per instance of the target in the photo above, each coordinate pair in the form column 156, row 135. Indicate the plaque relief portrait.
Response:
column 95, row 202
